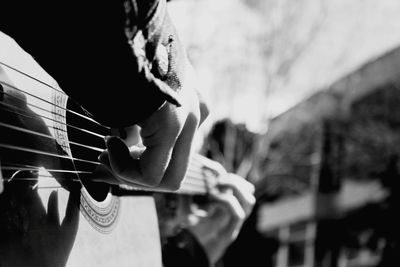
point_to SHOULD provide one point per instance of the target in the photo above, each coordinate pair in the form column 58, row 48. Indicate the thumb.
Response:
column 118, row 154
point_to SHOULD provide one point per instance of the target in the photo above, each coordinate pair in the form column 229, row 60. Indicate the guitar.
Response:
column 51, row 214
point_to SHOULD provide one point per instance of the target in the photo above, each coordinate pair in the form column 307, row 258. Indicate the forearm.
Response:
column 86, row 47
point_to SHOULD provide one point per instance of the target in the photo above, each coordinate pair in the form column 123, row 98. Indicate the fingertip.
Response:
column 120, row 161
column 116, row 147
column 110, row 140
column 106, row 138
column 103, row 157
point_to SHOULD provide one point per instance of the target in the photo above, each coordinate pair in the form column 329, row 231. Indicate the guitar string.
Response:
column 52, row 112
column 21, row 179
column 196, row 173
column 38, row 97
column 59, row 91
column 189, row 178
column 186, row 189
column 195, row 160
column 35, row 151
column 194, row 180
column 49, row 126
column 44, row 117
column 7, row 167
column 46, row 153
column 48, row 85
column 44, row 83
column 193, row 177
column 50, row 103
column 44, row 176
column 33, row 78
column 16, row 128
column 185, row 186
column 45, row 179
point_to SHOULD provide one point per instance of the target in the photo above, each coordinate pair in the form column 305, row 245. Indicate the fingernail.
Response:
column 101, row 157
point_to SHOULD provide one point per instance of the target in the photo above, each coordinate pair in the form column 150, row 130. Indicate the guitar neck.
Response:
column 201, row 177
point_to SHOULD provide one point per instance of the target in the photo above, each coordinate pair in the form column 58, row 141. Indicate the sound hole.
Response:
column 86, row 132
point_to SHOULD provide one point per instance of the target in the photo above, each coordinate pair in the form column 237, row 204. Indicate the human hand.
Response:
column 167, row 136
column 221, row 224
column 36, row 236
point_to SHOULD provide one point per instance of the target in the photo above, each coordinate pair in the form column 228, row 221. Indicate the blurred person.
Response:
column 199, row 237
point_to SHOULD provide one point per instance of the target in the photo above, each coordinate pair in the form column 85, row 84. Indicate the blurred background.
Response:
column 304, row 103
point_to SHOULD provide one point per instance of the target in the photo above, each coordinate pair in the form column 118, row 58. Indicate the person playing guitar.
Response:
column 127, row 56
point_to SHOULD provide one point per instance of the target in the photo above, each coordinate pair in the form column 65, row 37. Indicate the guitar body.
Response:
column 48, row 213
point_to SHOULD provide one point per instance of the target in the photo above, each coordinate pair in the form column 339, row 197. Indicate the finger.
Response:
column 104, row 174
column 134, row 151
column 104, row 158
column 71, row 218
column 119, row 159
column 217, row 213
column 237, row 181
column 239, row 189
column 180, row 156
column 157, row 156
column 53, row 216
column 69, row 225
column 132, row 135
column 236, row 212
column 232, row 206
column 242, row 190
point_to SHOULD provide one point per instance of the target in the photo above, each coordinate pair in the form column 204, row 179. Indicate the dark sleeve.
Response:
column 87, row 46
column 183, row 250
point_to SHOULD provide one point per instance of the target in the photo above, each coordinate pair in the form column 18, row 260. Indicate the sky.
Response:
column 257, row 58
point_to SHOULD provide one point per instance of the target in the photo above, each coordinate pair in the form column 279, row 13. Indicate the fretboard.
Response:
column 201, row 177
